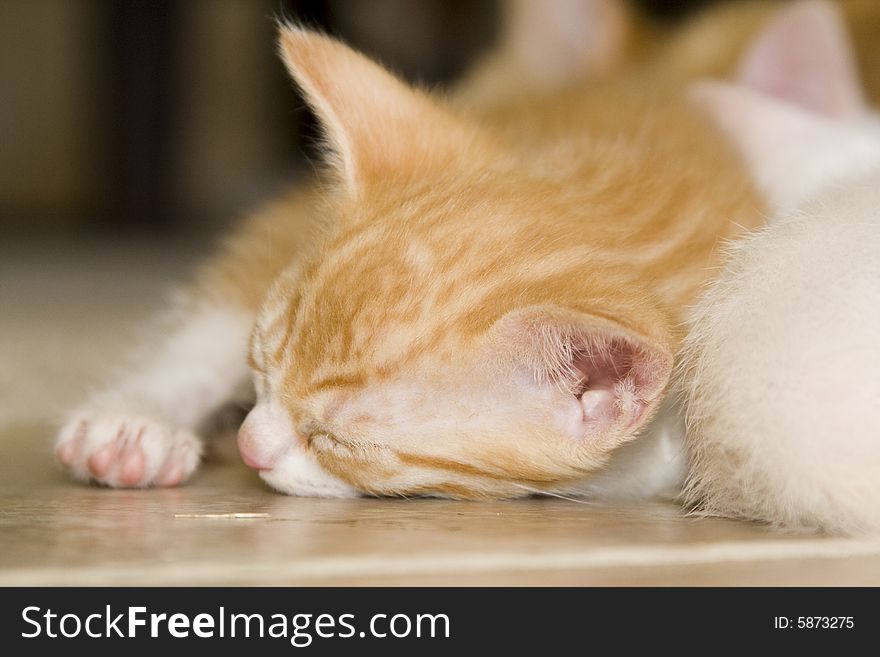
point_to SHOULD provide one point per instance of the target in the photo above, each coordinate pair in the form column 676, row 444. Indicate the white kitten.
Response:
column 783, row 363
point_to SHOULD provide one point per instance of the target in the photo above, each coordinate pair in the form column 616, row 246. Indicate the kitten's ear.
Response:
column 562, row 41
column 787, row 113
column 790, row 153
column 614, row 376
column 374, row 122
column 805, row 57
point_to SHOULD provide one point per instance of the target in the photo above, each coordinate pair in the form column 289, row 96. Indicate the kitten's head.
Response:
column 444, row 338
column 796, row 109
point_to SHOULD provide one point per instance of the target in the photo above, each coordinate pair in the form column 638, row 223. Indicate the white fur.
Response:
column 151, row 411
column 197, row 365
column 298, row 473
column 782, row 365
column 784, row 401
column 782, row 144
column 652, row 466
column 294, row 471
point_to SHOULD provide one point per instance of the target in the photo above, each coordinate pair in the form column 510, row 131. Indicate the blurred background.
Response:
column 169, row 118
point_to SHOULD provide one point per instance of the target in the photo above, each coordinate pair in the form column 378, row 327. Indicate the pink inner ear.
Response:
column 616, row 383
column 599, row 379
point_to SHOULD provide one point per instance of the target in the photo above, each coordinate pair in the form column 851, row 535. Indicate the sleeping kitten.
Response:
column 473, row 303
column 781, row 367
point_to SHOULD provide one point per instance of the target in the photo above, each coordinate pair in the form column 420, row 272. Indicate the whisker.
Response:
column 538, row 491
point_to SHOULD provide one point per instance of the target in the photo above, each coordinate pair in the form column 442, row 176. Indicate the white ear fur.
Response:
column 791, row 152
column 804, row 56
column 562, row 41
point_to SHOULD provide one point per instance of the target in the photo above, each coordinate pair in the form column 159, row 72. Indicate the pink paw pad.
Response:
column 132, row 464
column 67, row 452
column 102, row 458
column 172, row 474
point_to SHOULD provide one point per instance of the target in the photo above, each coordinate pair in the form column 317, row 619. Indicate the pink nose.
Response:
column 250, row 452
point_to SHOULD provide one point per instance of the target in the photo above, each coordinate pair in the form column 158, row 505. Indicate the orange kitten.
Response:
column 478, row 300
column 493, row 312
column 475, row 304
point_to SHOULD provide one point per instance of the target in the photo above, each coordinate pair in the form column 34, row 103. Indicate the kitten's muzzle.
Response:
column 264, row 436
column 249, row 452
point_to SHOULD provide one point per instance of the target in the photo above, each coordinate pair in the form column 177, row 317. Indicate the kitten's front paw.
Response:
column 126, row 450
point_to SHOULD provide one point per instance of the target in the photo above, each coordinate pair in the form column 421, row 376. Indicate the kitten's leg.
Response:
column 140, row 431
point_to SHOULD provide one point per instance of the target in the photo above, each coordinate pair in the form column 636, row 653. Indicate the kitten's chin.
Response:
column 300, row 475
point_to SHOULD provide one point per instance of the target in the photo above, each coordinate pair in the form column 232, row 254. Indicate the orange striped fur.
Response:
column 402, row 346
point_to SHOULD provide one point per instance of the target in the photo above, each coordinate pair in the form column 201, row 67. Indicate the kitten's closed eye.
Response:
column 309, row 429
